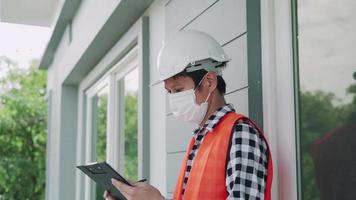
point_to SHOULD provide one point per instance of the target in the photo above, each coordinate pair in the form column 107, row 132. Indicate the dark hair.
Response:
column 198, row 75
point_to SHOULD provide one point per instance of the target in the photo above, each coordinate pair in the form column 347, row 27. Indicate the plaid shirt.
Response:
column 246, row 170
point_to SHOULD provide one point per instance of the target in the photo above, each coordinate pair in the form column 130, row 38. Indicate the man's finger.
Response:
column 107, row 196
column 138, row 184
column 122, row 187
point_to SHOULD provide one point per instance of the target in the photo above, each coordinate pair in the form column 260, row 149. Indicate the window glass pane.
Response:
column 131, row 88
column 327, row 65
column 100, row 112
column 102, row 105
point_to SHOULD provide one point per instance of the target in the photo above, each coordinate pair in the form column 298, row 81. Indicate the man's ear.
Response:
column 212, row 81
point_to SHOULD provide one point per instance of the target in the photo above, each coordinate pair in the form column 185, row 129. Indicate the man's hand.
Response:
column 139, row 191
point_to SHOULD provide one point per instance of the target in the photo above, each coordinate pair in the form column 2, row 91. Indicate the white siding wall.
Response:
column 225, row 20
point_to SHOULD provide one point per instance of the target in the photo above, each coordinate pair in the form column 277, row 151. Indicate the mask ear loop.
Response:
column 201, row 80
column 207, row 98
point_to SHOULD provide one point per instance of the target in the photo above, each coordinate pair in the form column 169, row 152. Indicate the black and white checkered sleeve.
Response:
column 246, row 172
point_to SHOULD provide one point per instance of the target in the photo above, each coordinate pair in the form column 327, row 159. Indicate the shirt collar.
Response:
column 215, row 118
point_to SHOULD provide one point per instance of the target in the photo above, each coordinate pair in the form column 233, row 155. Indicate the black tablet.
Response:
column 102, row 173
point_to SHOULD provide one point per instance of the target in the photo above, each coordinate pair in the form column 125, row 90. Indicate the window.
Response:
column 327, row 98
column 130, row 133
column 100, row 105
column 127, row 119
column 112, row 121
column 114, row 111
column 98, row 109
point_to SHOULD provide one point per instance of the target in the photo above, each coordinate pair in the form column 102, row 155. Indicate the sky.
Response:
column 22, row 43
column 327, row 46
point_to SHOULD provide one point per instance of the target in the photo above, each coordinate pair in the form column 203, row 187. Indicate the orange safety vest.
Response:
column 207, row 175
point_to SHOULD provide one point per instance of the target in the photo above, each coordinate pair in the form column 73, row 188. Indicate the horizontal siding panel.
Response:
column 235, row 73
column 178, row 134
column 180, row 12
column 224, row 21
column 174, row 162
column 240, row 100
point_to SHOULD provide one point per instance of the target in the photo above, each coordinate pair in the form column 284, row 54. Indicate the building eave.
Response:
column 124, row 15
column 66, row 14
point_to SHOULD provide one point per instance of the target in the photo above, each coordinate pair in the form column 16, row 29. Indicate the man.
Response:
column 228, row 156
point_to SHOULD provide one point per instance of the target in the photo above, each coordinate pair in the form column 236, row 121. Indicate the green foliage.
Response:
column 318, row 116
column 131, row 136
column 130, row 133
column 23, row 134
column 102, row 127
column 131, row 167
column 101, row 124
column 351, row 108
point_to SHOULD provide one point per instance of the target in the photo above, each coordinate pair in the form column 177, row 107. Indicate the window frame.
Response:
column 115, row 135
column 132, row 47
column 295, row 51
column 92, row 99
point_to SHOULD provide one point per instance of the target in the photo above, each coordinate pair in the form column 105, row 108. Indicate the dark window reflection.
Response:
column 327, row 65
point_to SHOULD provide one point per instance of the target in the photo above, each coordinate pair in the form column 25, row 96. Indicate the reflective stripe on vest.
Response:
column 207, row 175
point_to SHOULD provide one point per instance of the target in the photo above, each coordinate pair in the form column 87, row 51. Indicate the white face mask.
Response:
column 184, row 107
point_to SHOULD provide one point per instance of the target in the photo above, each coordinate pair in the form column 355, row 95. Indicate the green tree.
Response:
column 102, row 111
column 101, row 127
column 131, row 167
column 351, row 108
column 22, row 133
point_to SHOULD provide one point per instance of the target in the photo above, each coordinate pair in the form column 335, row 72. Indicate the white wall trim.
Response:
column 268, row 61
column 278, row 95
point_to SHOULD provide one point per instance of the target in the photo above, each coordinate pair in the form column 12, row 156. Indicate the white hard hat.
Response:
column 186, row 48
